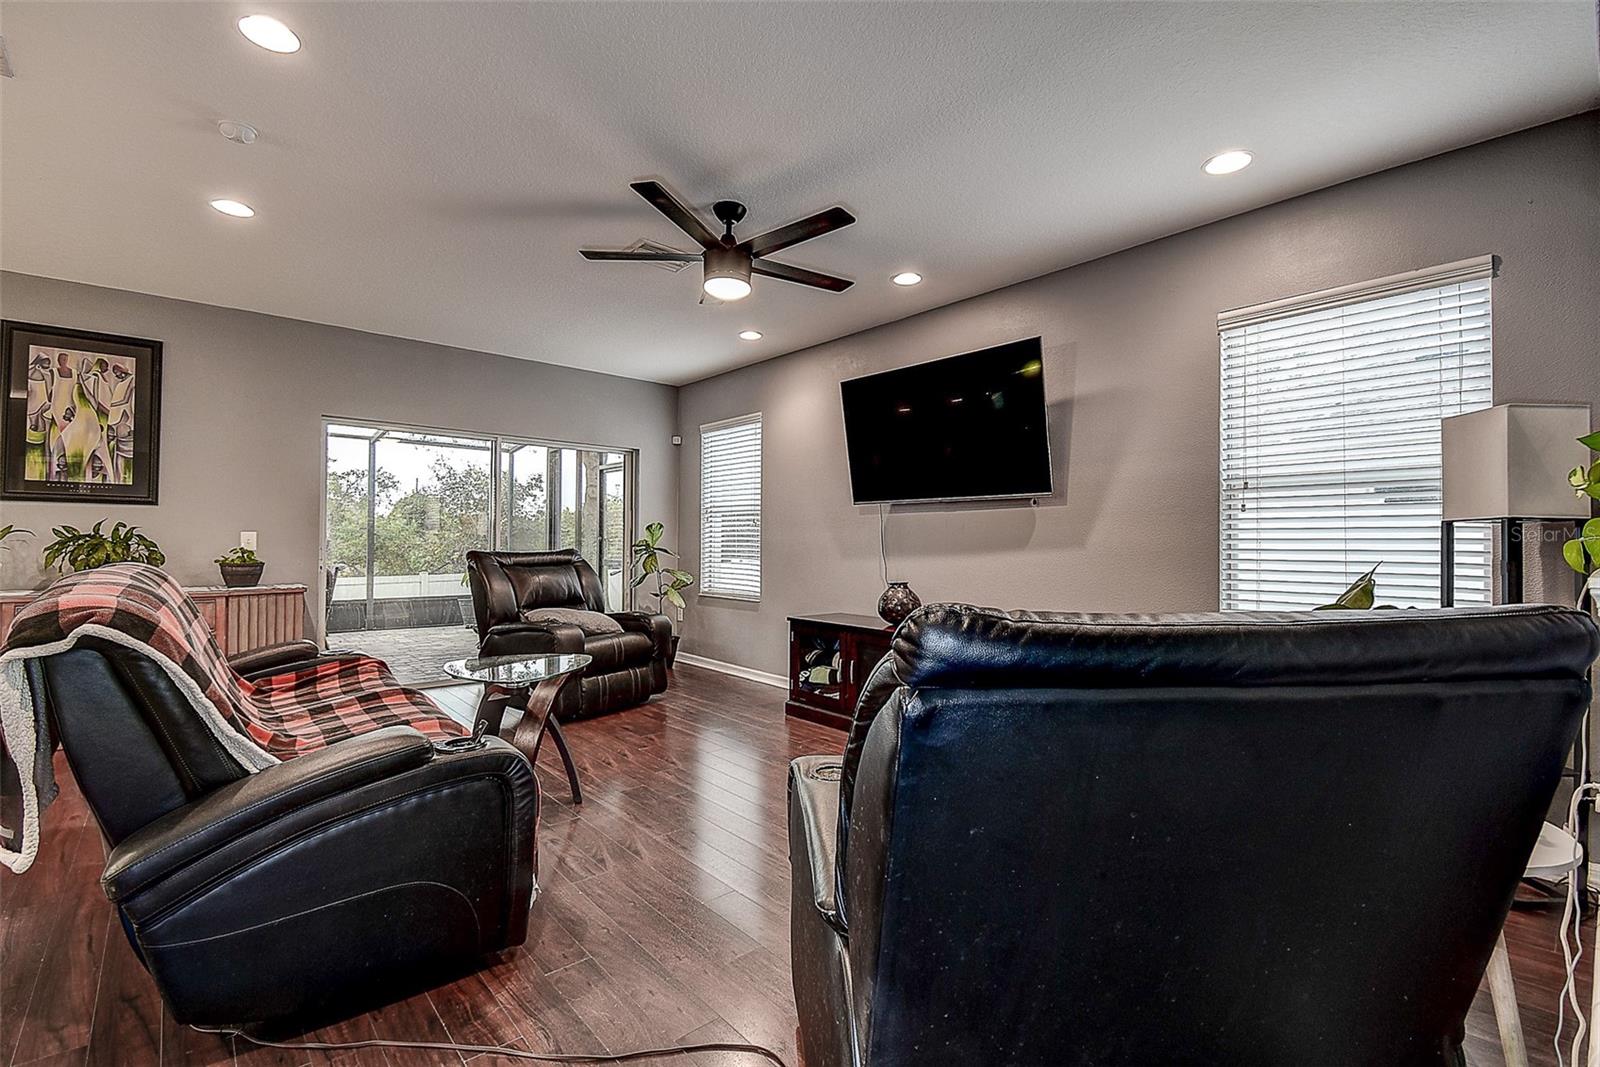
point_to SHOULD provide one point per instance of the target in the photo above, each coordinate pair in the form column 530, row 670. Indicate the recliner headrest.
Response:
column 957, row 645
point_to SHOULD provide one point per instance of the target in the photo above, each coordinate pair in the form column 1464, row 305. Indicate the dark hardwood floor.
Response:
column 663, row 917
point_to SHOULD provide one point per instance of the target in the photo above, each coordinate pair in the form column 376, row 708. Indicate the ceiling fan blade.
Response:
column 648, row 257
column 799, row 274
column 835, row 218
column 673, row 208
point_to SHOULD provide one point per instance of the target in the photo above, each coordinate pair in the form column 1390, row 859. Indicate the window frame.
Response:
column 1240, row 555
column 704, row 588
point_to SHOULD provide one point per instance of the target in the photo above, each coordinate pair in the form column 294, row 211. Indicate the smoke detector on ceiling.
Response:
column 651, row 246
column 5, row 61
column 238, row 132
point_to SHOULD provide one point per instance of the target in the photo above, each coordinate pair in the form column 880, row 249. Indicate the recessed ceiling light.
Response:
column 750, row 335
column 269, row 33
column 907, row 277
column 236, row 208
column 1228, row 162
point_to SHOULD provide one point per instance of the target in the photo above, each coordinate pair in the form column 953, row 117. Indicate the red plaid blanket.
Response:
column 285, row 715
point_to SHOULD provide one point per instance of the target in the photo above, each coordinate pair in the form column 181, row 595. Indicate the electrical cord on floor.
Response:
column 514, row 1053
column 1572, row 915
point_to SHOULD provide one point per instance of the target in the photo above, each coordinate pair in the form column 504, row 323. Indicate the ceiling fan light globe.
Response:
column 724, row 287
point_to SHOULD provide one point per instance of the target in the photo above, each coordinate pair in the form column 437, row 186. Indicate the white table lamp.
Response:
column 1512, row 460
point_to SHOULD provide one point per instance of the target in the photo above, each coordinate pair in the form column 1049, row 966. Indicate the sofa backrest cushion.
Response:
column 1085, row 840
column 507, row 584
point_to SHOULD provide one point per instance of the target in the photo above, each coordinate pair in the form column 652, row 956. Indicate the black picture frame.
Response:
column 119, row 463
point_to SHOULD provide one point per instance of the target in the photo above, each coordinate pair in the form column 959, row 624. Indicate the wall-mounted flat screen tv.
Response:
column 964, row 427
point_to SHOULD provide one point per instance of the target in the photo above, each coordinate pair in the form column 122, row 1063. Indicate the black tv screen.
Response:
column 956, row 428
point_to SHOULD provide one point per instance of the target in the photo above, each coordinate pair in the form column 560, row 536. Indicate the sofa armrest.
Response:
column 531, row 639
column 814, row 813
column 270, row 658
column 656, row 627
column 227, row 813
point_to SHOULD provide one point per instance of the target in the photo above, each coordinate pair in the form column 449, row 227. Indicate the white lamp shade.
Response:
column 1512, row 460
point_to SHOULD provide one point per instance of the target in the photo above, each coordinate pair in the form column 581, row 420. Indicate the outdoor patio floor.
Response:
column 417, row 655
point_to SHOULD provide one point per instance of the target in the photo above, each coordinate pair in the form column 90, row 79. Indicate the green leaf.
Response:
column 675, row 597
column 653, row 532
column 679, row 578
column 1591, row 440
column 651, row 564
column 1591, row 528
column 1360, row 595
column 1572, row 552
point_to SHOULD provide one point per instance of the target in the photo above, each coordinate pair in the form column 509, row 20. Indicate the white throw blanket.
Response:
column 27, row 737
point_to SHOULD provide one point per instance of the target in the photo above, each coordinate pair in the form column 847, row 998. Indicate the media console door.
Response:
column 830, row 657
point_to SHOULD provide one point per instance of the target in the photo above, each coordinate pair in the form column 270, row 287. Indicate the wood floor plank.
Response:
column 126, row 1027
column 662, row 919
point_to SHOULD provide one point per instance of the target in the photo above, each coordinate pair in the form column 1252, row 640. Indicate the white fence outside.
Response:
column 395, row 586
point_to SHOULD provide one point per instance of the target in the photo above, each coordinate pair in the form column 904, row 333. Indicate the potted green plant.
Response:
column 84, row 550
column 1582, row 552
column 1359, row 596
column 240, row 568
column 649, row 555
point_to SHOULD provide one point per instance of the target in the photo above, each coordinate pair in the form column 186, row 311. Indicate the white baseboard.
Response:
column 777, row 681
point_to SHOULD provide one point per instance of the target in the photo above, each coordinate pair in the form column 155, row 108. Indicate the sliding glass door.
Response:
column 404, row 506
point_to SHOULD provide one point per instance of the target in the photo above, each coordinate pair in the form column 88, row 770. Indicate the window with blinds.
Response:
column 730, row 508
column 1330, row 438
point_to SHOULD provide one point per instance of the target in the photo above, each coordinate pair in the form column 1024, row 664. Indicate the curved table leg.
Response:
column 554, row 730
column 537, row 720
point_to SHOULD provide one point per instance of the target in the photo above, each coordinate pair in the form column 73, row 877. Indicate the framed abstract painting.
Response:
column 81, row 417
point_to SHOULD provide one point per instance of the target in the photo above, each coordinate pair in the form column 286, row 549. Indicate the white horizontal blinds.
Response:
column 1330, row 439
column 730, row 508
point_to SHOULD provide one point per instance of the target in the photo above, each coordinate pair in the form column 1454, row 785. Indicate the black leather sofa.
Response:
column 316, row 887
column 1208, row 840
column 510, row 590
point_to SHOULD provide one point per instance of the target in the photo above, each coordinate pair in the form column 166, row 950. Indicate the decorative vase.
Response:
column 897, row 602
column 241, row 575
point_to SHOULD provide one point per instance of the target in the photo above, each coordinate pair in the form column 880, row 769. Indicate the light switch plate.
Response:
column 247, row 539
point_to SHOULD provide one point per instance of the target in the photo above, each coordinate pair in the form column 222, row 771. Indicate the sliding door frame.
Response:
column 495, row 441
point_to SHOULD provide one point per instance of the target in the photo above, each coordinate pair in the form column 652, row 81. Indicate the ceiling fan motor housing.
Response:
column 728, row 261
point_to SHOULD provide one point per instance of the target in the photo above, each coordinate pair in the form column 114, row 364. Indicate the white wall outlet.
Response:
column 247, row 539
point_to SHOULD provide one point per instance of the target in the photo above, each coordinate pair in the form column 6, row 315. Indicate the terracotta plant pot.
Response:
column 241, row 575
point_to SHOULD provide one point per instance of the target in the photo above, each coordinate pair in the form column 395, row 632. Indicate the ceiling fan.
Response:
column 729, row 263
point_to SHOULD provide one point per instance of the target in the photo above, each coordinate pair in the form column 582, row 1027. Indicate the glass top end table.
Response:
column 532, row 681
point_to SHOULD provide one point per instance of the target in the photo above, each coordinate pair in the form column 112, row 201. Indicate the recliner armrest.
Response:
column 271, row 657
column 814, row 808
column 531, row 638
column 226, row 814
column 656, row 627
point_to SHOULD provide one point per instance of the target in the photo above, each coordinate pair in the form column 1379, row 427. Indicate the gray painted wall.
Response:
column 1131, row 373
column 242, row 406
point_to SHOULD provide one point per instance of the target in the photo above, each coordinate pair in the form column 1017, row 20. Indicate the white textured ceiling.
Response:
column 430, row 170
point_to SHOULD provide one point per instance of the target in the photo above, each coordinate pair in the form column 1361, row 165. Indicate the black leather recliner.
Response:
column 321, row 885
column 1216, row 839
column 509, row 589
